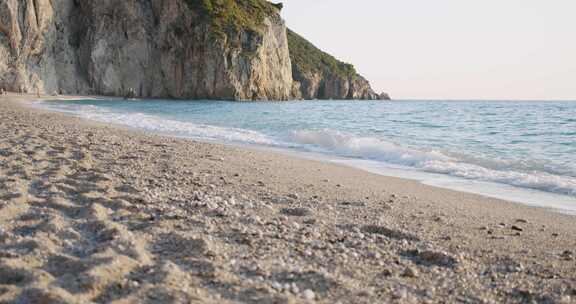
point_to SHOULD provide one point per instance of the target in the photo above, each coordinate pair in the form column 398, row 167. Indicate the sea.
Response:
column 521, row 151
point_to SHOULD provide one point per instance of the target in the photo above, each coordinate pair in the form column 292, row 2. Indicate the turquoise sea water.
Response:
column 523, row 151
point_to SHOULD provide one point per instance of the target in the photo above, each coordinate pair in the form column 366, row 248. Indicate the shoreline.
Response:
column 134, row 214
column 550, row 201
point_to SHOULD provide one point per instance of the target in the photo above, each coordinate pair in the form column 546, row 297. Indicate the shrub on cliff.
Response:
column 308, row 58
column 233, row 15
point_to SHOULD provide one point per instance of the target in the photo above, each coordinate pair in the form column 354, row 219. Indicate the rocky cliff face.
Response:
column 327, row 85
column 158, row 48
column 318, row 75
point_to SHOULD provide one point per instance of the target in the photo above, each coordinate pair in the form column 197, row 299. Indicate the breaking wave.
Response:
column 348, row 145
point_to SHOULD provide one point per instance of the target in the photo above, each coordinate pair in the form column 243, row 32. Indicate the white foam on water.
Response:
column 162, row 125
column 366, row 147
column 534, row 180
column 465, row 174
column 345, row 144
column 536, row 198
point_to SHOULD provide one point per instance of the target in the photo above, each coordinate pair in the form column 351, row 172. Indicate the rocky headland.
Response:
column 193, row 49
column 318, row 75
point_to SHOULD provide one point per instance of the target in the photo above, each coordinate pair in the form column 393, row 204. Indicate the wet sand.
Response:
column 95, row 213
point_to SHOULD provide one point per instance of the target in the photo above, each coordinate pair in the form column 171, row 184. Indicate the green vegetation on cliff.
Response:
column 308, row 58
column 232, row 15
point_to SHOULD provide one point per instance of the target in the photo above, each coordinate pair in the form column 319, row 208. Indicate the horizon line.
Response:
column 479, row 99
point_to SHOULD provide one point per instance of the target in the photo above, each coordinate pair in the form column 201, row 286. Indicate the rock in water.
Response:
column 153, row 49
column 384, row 96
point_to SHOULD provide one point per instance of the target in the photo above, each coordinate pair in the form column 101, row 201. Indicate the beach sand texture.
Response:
column 95, row 213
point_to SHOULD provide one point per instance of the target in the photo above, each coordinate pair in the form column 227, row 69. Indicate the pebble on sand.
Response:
column 410, row 272
column 516, row 228
column 308, row 294
column 293, row 196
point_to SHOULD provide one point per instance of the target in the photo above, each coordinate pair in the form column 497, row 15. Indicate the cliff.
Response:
column 196, row 49
column 318, row 75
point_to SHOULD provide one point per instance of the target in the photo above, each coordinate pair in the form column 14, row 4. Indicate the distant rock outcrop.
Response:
column 384, row 96
column 194, row 49
column 318, row 75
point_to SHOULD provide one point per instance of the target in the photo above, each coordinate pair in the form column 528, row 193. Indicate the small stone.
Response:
column 293, row 196
column 567, row 255
column 516, row 228
column 296, row 211
column 315, row 234
column 294, row 288
column 438, row 258
column 316, row 244
column 514, row 267
column 521, row 221
column 410, row 272
column 400, row 293
column 308, row 294
column 310, row 221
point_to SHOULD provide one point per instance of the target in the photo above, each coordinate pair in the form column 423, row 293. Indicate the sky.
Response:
column 449, row 49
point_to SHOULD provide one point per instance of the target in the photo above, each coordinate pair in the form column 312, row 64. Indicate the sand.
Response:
column 96, row 213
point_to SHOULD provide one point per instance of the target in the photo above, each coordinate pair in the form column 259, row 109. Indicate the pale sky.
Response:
column 453, row 49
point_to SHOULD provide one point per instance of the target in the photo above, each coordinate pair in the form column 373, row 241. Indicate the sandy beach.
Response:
column 95, row 213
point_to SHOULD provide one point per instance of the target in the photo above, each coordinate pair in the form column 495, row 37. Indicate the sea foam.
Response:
column 348, row 145
column 265, row 130
column 157, row 124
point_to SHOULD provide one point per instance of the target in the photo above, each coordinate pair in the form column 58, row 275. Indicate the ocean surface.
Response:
column 520, row 151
